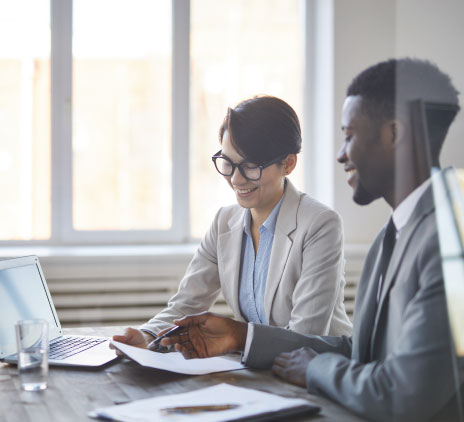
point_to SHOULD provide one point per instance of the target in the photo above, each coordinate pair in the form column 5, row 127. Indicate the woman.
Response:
column 276, row 256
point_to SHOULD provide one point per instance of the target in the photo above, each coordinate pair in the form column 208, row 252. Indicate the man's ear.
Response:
column 397, row 130
column 394, row 131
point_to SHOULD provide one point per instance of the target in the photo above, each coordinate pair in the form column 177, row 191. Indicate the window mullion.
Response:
column 318, row 98
column 180, row 117
column 61, row 104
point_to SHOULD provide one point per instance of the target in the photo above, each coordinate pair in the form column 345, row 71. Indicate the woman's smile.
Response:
column 244, row 193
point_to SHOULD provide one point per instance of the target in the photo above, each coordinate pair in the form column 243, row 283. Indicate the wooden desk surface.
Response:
column 71, row 393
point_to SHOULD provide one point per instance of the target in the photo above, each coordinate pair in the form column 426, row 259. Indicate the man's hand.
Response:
column 208, row 335
column 134, row 337
column 292, row 366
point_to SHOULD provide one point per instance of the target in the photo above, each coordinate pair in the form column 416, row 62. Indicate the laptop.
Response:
column 24, row 295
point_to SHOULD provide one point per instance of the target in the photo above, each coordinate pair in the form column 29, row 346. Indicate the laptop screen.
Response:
column 23, row 295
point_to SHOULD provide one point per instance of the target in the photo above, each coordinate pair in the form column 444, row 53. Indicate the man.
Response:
column 397, row 365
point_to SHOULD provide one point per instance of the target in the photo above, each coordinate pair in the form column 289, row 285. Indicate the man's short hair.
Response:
column 388, row 87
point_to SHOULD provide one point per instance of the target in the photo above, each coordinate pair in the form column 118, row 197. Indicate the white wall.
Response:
column 368, row 31
column 363, row 36
column 434, row 30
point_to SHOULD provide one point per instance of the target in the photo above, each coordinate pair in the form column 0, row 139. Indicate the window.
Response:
column 121, row 115
column 237, row 51
column 127, row 97
column 25, row 185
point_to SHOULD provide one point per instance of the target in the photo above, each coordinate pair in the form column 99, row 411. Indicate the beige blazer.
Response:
column 304, row 288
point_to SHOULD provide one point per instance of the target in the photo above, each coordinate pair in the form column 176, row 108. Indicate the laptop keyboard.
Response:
column 66, row 346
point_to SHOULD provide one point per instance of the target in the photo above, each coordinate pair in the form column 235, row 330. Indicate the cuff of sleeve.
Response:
column 248, row 341
column 318, row 370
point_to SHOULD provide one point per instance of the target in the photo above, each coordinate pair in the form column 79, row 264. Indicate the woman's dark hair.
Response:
column 262, row 129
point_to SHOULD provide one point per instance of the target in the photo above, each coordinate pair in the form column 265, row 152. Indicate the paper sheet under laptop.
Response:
column 251, row 403
column 175, row 362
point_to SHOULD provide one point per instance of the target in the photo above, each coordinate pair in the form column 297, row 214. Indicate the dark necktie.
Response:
column 388, row 244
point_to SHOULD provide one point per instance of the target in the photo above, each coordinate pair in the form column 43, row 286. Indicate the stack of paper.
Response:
column 248, row 404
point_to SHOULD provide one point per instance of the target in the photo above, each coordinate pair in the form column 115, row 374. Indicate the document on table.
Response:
column 175, row 362
column 247, row 403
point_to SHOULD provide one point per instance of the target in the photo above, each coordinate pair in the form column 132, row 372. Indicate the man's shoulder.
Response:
column 425, row 239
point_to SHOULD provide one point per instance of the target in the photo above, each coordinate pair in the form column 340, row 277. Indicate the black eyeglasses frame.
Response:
column 240, row 168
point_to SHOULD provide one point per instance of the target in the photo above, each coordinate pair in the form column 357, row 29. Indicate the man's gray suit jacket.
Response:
column 397, row 365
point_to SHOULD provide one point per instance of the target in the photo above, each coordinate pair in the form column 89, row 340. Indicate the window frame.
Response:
column 61, row 56
column 61, row 100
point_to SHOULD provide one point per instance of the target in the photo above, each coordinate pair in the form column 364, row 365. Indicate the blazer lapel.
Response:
column 366, row 302
column 230, row 246
column 282, row 244
column 423, row 208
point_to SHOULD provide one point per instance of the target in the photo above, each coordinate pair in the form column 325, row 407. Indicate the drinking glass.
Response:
column 32, row 342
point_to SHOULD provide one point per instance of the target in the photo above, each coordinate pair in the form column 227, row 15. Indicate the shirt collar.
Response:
column 271, row 221
column 404, row 210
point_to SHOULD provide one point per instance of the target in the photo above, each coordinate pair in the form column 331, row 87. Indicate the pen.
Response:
column 152, row 345
column 197, row 409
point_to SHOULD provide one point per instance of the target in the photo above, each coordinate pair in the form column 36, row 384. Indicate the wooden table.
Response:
column 72, row 393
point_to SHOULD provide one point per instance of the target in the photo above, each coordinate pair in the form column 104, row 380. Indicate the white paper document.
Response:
column 248, row 403
column 175, row 362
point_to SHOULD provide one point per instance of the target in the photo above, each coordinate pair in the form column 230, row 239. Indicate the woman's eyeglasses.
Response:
column 249, row 171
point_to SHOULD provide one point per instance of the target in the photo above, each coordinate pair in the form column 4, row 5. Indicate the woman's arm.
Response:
column 199, row 288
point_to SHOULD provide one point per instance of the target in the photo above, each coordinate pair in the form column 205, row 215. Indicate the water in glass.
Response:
column 33, row 369
column 32, row 341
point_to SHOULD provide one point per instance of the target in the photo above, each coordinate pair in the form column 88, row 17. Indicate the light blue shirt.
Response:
column 253, row 269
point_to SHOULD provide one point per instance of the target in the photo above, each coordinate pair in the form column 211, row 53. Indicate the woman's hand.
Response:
column 134, row 337
column 207, row 335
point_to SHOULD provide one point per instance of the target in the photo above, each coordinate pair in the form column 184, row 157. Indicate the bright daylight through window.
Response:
column 237, row 52
column 122, row 115
column 25, row 167
column 115, row 103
